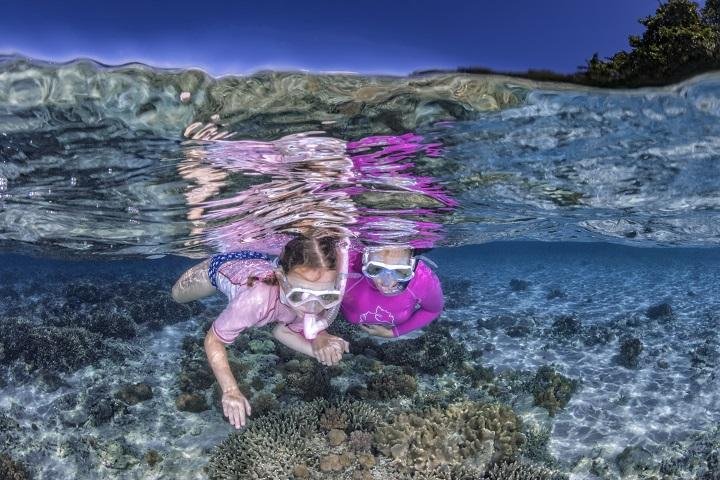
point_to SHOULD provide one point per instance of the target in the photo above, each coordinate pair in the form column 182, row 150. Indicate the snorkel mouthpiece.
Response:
column 312, row 326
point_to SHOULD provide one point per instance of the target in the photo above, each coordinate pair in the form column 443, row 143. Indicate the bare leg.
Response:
column 194, row 284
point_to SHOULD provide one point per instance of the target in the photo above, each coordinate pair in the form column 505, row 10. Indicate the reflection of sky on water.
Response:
column 365, row 189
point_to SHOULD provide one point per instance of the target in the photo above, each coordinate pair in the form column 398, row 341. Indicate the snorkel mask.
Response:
column 389, row 278
column 318, row 308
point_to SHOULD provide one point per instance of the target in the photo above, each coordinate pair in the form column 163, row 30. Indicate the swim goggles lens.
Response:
column 301, row 296
column 402, row 273
column 373, row 270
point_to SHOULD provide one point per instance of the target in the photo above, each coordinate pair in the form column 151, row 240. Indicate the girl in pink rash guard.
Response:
column 392, row 293
column 300, row 293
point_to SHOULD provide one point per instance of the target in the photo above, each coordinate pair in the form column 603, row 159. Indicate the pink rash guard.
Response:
column 418, row 305
column 250, row 306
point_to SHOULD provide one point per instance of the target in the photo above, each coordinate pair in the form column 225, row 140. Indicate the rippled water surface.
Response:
column 559, row 218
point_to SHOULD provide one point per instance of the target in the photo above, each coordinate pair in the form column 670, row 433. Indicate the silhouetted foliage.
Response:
column 711, row 13
column 679, row 41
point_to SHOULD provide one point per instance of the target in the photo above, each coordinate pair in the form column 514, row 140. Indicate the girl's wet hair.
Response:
column 304, row 251
column 310, row 251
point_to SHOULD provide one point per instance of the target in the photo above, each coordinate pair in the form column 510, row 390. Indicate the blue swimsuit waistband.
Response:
column 217, row 260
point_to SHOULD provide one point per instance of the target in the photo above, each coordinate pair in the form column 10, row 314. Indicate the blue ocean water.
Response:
column 573, row 228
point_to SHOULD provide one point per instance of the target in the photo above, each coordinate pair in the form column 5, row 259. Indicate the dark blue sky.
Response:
column 391, row 36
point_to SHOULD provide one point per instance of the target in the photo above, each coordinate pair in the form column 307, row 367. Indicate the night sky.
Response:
column 389, row 36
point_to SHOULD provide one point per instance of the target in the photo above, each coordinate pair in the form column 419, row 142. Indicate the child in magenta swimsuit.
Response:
column 300, row 292
column 393, row 293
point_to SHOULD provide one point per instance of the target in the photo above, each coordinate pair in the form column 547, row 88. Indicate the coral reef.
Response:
column 464, row 433
column 554, row 293
column 705, row 355
column 390, row 383
column 517, row 285
column 195, row 373
column 360, row 441
column 7, row 423
column 263, row 403
column 191, row 402
column 11, row 470
column 82, row 322
column 293, row 437
column 566, row 326
column 134, row 393
column 634, row 459
column 435, row 352
column 100, row 406
column 457, row 292
column 311, row 382
column 552, row 390
column 519, row 471
column 537, row 444
column 598, row 335
column 522, row 327
column 309, row 440
column 443, row 472
column 50, row 348
column 659, row 311
column 629, row 352
column 697, row 457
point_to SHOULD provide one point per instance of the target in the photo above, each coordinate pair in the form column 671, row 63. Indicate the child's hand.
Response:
column 378, row 330
column 328, row 349
column 235, row 407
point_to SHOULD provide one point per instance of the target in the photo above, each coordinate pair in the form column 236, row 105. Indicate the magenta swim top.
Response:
column 418, row 305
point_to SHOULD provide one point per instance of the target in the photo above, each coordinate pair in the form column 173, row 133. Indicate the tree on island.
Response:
column 678, row 42
column 711, row 13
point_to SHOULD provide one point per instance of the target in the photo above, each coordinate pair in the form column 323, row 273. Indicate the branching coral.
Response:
column 520, row 471
column 269, row 447
column 273, row 445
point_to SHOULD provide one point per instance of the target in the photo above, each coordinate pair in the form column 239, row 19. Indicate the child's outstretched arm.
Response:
column 433, row 303
column 235, row 405
column 326, row 348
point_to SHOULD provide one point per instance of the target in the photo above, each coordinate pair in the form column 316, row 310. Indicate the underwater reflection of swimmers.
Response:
column 301, row 292
column 393, row 293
